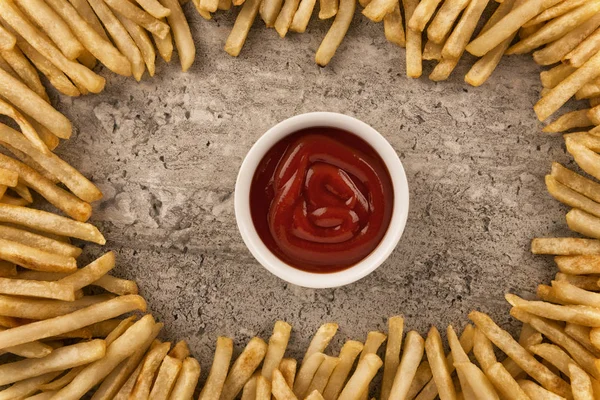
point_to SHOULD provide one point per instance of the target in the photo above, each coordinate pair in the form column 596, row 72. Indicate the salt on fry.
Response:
column 218, row 372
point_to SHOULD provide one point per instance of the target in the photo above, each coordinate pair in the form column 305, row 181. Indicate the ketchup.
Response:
column 321, row 199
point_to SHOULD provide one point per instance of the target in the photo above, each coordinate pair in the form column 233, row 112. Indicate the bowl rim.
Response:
column 242, row 200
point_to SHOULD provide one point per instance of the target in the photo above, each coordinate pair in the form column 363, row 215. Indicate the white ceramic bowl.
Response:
column 272, row 262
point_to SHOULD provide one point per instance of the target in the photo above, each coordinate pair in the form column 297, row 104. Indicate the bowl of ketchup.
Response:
column 321, row 200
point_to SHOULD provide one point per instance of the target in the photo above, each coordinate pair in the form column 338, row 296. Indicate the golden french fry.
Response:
column 269, row 9
column 218, row 372
column 584, row 50
column 394, row 27
column 577, row 314
column 335, row 35
column 392, row 354
column 553, row 354
column 414, row 346
column 558, row 50
column 53, row 25
column 376, row 10
column 558, row 28
column 212, row 6
column 243, row 22
column 284, row 19
column 154, row 8
column 150, row 365
column 140, row 17
column 243, row 368
column 307, row 371
column 187, row 380
column 359, row 381
column 477, row 381
column 570, row 120
column 504, row 382
column 18, row 63
column 29, row 350
column 584, row 223
column 556, row 75
column 321, row 340
column 423, row 14
column 460, row 36
column 521, row 356
column 414, row 65
column 27, row 387
column 483, row 350
column 288, row 367
column 127, row 388
column 107, row 282
column 581, row 384
column 546, row 293
column 348, row 354
column 38, row 309
column 314, row 395
column 7, row 39
column 26, row 127
column 142, row 40
column 582, row 334
column 422, row 378
column 32, row 258
column 166, row 376
column 555, row 11
column 565, row 246
column 127, row 369
column 438, row 365
column 249, row 390
column 59, row 360
column 181, row 33
column 302, row 16
column 180, row 351
column 587, row 282
column 327, row 9
column 580, row 184
column 90, row 273
column 571, row 294
column 557, row 335
column 277, row 345
column 8, row 177
column 535, row 391
column 164, row 46
column 442, row 23
column 280, row 389
column 374, row 341
column 508, row 26
column 69, row 322
column 263, row 388
column 443, row 69
column 570, row 197
column 322, row 375
column 63, row 381
column 589, row 90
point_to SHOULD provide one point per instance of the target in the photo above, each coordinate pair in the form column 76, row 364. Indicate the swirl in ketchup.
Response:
column 321, row 199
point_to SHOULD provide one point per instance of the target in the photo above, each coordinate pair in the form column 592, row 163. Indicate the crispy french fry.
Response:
column 32, row 258
column 359, row 381
column 423, row 14
column 443, row 69
column 584, row 186
column 584, row 223
column 166, row 376
column 570, row 197
column 348, row 354
column 555, row 11
column 150, row 365
column 302, row 16
column 218, row 372
column 164, row 46
column 127, row 388
column 460, row 36
column 442, row 23
column 53, row 25
column 29, row 350
column 314, row 395
column 584, row 50
column 571, row 294
column 142, row 40
column 322, row 375
column 107, row 282
column 39, row 309
column 23, row 68
column 288, row 367
column 589, row 90
column 8, row 177
column 394, row 27
column 26, row 127
column 307, row 371
column 376, row 10
column 140, row 17
column 59, row 360
column 570, row 120
column 7, row 39
column 521, row 356
column 372, row 344
column 243, row 368
column 535, row 391
column 554, row 354
column 180, row 351
column 263, row 388
column 280, row 388
column 392, row 354
column 414, row 65
column 239, row 33
column 556, row 75
column 546, row 293
column 249, row 390
column 477, row 381
column 154, row 8
column 284, row 19
column 27, row 387
column 212, row 6
column 181, row 33
column 69, row 322
column 577, row 314
column 587, row 282
column 321, row 340
column 90, row 273
column 438, row 365
column 335, row 35
column 581, row 384
column 422, row 378
column 504, row 382
column 483, row 350
column 277, row 345
column 327, row 9
column 582, row 334
column 63, row 381
column 187, row 380
column 414, row 346
column 269, row 9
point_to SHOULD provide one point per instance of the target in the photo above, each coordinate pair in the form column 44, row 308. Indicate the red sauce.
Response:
column 321, row 199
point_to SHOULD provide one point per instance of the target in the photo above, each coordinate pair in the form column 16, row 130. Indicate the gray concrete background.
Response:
column 166, row 152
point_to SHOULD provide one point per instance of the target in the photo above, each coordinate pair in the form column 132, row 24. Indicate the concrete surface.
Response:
column 166, row 152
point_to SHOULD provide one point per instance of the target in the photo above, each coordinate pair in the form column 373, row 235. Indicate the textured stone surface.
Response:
column 166, row 152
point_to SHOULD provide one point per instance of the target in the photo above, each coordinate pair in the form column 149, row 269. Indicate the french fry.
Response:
column 187, row 380
column 581, row 385
column 118, row 377
column 69, row 322
column 243, row 368
column 577, row 314
column 277, row 345
column 263, row 388
column 507, row 26
column 127, row 388
column 443, row 69
column 80, row 74
column 546, row 293
column 38, row 309
column 422, row 378
column 7, row 39
column 557, row 335
column 460, row 36
column 63, row 381
column 59, row 360
column 423, row 14
column 211, row 6
column 584, row 186
column 302, row 16
column 483, row 350
column 150, row 365
column 321, row 340
column 557, row 50
column 166, row 376
column 570, row 120
column 243, row 22
column 584, row 50
column 414, row 65
column 154, row 8
column 249, row 389
column 587, row 282
column 119, row 34
column 394, row 27
column 314, row 395
column 359, row 381
column 48, row 222
column 392, row 354
column 288, row 367
column 562, row 92
column 555, row 11
column 372, row 344
column 535, row 391
column 556, row 75
column 307, row 371
column 348, row 354
column 477, row 381
column 582, row 335
column 527, row 31
column 570, row 197
column 322, row 375
column 181, row 33
column 17, row 62
column 504, row 383
column 180, row 351
column 553, row 354
column 335, row 35
column 218, row 372
column 32, row 258
column 164, row 46
column 376, row 10
column 142, row 40
column 14, row 201
column 107, row 282
column 438, row 365
column 589, row 90
column 8, row 177
column 414, row 346
column 53, row 25
column 26, row 127
column 29, row 350
column 140, row 17
column 280, row 388
column 269, row 9
column 584, row 223
column 521, row 356
column 284, row 19
column 327, row 9
column 442, row 23
column 90, row 273
column 27, row 387
column 573, row 295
